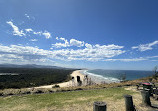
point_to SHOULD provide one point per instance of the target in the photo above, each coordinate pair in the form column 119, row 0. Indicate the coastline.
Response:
column 70, row 83
column 98, row 79
column 92, row 78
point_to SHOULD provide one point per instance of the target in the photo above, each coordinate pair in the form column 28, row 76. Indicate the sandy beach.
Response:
column 69, row 83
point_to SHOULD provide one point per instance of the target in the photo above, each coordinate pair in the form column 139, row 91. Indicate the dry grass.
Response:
column 68, row 99
column 112, row 105
column 65, row 101
column 75, row 100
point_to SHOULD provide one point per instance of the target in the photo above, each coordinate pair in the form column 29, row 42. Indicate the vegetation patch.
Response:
column 31, row 77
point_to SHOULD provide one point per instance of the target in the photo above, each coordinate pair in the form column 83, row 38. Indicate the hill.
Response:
column 29, row 66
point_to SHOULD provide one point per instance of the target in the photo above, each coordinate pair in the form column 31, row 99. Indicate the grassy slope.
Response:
column 78, row 100
column 61, row 100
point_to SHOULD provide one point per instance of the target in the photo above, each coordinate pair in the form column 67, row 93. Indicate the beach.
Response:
column 91, row 79
column 69, row 83
column 97, row 79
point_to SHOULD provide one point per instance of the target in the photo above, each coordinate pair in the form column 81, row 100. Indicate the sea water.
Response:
column 109, row 76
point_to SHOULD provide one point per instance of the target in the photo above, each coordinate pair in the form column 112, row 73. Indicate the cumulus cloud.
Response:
column 109, row 47
column 89, row 46
column 59, row 45
column 16, row 30
column 88, row 52
column 28, row 30
column 34, row 54
column 74, row 42
column 95, row 53
column 23, row 54
column 77, row 43
column 28, row 52
column 47, row 34
column 145, row 47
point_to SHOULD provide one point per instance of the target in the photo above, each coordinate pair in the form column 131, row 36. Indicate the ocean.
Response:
column 108, row 76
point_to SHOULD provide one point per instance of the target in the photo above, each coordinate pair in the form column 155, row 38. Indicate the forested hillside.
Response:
column 29, row 77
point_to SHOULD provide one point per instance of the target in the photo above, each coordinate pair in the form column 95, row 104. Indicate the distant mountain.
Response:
column 28, row 66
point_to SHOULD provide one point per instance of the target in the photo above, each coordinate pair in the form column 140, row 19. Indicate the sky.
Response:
column 94, row 34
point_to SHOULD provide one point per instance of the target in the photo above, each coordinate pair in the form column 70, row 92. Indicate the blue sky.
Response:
column 107, row 34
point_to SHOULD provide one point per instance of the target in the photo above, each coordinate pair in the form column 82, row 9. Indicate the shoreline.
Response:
column 91, row 79
column 98, row 79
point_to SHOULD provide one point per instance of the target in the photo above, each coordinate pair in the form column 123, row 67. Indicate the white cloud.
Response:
column 59, row 45
column 28, row 30
column 23, row 54
column 77, row 43
column 89, row 46
column 37, row 33
column 152, row 57
column 28, row 52
column 127, row 60
column 74, row 42
column 63, row 39
column 33, row 40
column 16, row 30
column 95, row 53
column 19, row 53
column 145, row 47
column 47, row 34
column 26, row 15
column 109, row 47
column 89, row 52
column 57, row 38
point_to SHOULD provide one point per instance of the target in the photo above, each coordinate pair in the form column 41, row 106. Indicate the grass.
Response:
column 61, row 100
column 68, row 101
